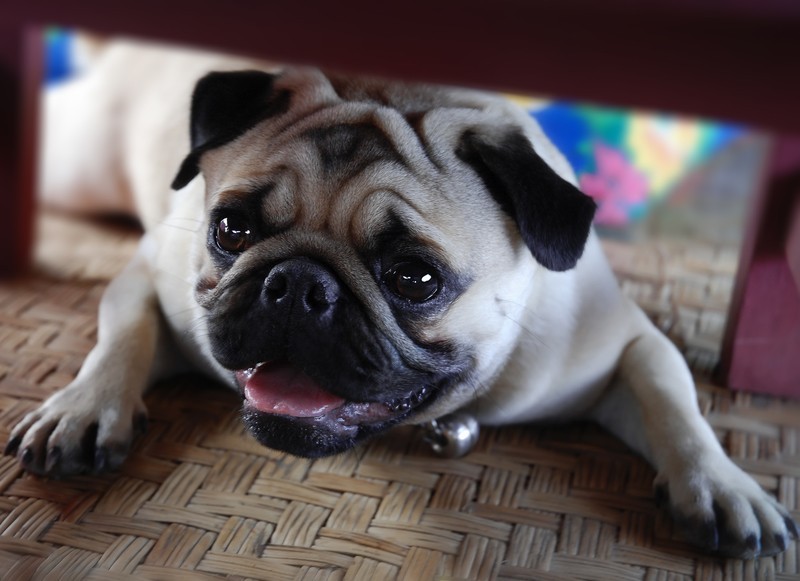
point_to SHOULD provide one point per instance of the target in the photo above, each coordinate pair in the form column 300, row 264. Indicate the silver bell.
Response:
column 453, row 435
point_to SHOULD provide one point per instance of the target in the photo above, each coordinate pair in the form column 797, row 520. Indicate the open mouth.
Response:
column 280, row 389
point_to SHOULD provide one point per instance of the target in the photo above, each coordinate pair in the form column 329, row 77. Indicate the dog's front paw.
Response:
column 720, row 508
column 76, row 432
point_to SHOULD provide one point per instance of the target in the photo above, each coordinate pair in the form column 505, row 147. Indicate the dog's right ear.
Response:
column 554, row 217
column 224, row 106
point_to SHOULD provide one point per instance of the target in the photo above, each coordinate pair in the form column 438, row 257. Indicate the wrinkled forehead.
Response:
column 352, row 171
column 333, row 137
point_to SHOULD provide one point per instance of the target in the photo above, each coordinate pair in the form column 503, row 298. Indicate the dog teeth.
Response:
column 399, row 405
column 420, row 396
column 406, row 403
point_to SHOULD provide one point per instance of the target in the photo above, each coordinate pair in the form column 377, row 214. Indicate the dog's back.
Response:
column 102, row 129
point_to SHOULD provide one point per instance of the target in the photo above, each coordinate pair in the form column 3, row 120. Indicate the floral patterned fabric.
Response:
column 629, row 162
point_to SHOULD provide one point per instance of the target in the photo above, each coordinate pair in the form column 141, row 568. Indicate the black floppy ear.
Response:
column 553, row 216
column 224, row 106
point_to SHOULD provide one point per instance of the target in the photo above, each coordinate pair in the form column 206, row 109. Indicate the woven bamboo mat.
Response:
column 199, row 499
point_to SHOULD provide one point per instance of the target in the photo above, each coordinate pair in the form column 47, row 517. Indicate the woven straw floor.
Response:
column 199, row 499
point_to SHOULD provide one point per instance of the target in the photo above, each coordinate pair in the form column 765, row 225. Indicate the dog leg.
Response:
column 653, row 408
column 88, row 426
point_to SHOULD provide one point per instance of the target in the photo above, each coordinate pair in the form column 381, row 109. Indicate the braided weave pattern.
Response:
column 199, row 499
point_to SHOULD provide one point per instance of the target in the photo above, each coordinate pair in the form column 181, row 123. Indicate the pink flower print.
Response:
column 617, row 187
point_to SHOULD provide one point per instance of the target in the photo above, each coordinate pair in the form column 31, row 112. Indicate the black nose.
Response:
column 302, row 284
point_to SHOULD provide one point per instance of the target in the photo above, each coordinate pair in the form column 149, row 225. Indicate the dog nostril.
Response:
column 276, row 286
column 319, row 296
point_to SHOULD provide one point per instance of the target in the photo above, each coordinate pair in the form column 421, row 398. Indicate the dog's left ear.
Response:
column 553, row 216
column 224, row 106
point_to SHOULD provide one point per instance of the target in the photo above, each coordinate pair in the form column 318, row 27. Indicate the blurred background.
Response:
column 652, row 175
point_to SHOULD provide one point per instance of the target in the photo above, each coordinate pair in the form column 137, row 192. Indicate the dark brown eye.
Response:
column 234, row 235
column 415, row 281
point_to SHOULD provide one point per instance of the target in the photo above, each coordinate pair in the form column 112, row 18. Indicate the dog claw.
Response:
column 140, row 424
column 27, row 457
column 100, row 460
column 70, row 434
column 661, row 495
column 709, row 532
column 752, row 544
column 13, row 446
column 791, row 526
column 780, row 541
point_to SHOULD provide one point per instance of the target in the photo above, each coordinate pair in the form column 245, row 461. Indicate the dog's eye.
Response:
column 415, row 281
column 233, row 235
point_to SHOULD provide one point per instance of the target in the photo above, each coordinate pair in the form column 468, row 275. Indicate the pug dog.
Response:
column 350, row 255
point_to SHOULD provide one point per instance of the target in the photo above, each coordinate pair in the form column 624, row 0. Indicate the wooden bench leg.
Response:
column 761, row 352
column 21, row 67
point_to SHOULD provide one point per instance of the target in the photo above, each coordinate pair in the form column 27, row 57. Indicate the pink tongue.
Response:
column 280, row 388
